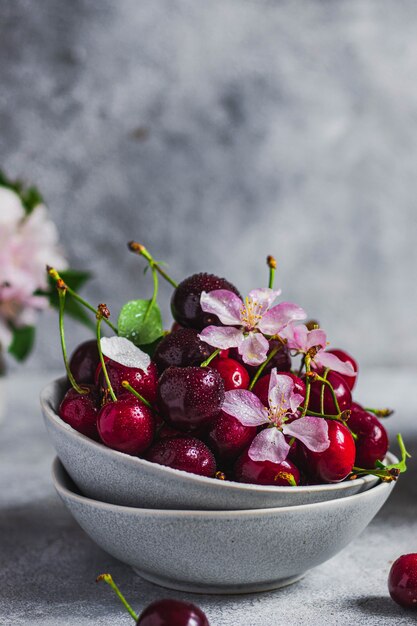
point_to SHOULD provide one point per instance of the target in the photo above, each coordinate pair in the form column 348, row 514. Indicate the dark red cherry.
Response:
column 190, row 397
column 172, row 613
column 335, row 463
column 84, row 361
column 234, row 375
column 372, row 442
column 347, row 358
column 144, row 382
column 402, row 581
column 126, row 425
column 227, row 437
column 262, row 386
column 184, row 453
column 282, row 359
column 265, row 472
column 81, row 410
column 181, row 348
column 185, row 301
column 342, row 392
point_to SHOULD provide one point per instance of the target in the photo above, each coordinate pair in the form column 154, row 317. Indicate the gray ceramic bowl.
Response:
column 222, row 551
column 111, row 476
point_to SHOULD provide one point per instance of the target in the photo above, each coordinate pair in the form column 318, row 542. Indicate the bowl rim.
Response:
column 60, row 477
column 49, row 411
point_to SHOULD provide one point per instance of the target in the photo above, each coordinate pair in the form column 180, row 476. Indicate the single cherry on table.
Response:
column 402, row 581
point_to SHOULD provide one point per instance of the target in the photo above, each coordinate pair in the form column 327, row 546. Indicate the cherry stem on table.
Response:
column 109, row 580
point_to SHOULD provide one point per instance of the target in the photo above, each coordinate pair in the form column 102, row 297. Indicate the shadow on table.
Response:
column 379, row 606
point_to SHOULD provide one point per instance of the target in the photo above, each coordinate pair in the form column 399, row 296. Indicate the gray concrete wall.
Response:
column 218, row 132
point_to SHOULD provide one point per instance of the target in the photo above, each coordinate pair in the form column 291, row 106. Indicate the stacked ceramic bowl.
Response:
column 192, row 533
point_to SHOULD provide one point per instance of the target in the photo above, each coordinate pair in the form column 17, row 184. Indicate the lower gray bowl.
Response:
column 222, row 552
column 110, row 476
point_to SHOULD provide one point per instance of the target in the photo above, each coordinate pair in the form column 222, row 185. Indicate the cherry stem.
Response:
column 100, row 353
column 210, row 358
column 272, row 264
column 57, row 278
column 263, row 366
column 326, row 371
column 155, row 293
column 326, row 382
column 307, row 361
column 109, row 580
column 138, row 248
column 379, row 412
column 78, row 389
column 126, row 385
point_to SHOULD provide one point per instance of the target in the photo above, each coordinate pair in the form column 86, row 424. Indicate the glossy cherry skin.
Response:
column 234, row 375
column 84, row 361
column 181, row 348
column 190, row 397
column 342, row 392
column 144, row 382
column 81, row 410
column 265, row 472
column 126, row 425
column 335, row 463
column 185, row 301
column 262, row 386
column 372, row 442
column 227, row 437
column 172, row 613
column 347, row 358
column 402, row 581
column 184, row 453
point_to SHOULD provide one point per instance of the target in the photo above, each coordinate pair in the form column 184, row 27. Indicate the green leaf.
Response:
column 136, row 325
column 22, row 343
column 74, row 279
column 30, row 196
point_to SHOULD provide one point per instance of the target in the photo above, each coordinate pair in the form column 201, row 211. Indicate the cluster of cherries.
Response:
column 172, row 414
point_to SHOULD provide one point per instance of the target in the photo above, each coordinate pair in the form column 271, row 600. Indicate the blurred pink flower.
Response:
column 246, row 323
column 27, row 244
column 270, row 444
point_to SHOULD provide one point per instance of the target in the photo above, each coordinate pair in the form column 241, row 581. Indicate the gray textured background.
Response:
column 218, row 132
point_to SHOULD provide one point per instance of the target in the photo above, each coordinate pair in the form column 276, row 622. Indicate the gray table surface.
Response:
column 48, row 565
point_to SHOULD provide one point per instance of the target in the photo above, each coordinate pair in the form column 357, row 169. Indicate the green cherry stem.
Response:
column 109, row 580
column 61, row 294
column 210, row 358
column 126, row 385
column 138, row 248
column 101, row 312
column 263, row 366
column 326, row 382
column 56, row 277
column 307, row 361
column 379, row 412
column 154, row 295
column 272, row 264
column 326, row 371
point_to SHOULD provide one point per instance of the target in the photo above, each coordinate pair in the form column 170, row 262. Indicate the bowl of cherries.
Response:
column 241, row 406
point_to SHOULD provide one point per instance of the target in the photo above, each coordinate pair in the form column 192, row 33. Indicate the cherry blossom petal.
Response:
column 311, row 431
column 269, row 445
column 245, row 407
column 125, row 352
column 280, row 390
column 316, row 337
column 253, row 349
column 222, row 337
column 296, row 336
column 331, row 361
column 223, row 303
column 279, row 316
column 296, row 400
column 11, row 207
column 263, row 298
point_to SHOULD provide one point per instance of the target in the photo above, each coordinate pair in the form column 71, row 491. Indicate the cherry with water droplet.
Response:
column 81, row 411
column 284, row 474
column 126, row 425
column 183, row 453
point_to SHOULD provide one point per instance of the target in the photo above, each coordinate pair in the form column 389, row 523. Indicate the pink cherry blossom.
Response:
column 270, row 444
column 27, row 244
column 246, row 323
column 314, row 342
